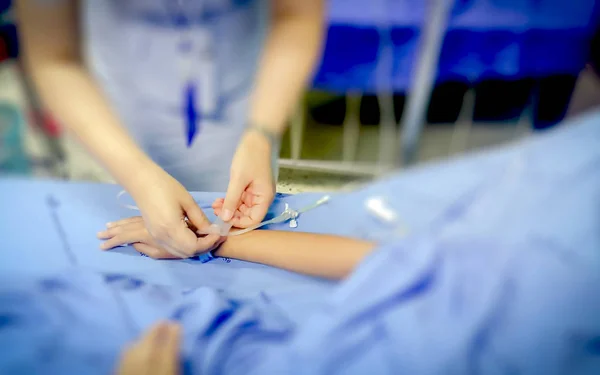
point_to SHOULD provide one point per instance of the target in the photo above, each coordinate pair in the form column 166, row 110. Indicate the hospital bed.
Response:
column 403, row 46
column 497, row 272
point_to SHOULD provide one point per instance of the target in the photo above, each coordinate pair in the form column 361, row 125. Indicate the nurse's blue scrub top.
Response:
column 179, row 74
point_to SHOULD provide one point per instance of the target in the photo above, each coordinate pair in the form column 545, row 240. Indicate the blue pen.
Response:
column 190, row 111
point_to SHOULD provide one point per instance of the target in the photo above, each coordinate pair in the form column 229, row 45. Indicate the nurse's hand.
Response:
column 251, row 187
column 133, row 231
column 156, row 353
column 164, row 204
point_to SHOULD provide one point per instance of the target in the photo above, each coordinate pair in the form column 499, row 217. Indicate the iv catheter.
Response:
column 223, row 229
column 288, row 214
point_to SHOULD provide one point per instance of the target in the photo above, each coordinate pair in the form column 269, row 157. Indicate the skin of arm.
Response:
column 292, row 49
column 50, row 38
column 320, row 255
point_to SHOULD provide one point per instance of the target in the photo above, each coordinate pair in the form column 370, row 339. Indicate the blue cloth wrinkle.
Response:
column 499, row 273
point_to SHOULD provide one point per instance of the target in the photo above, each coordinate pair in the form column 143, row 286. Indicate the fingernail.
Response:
column 103, row 246
column 110, row 224
column 226, row 215
column 102, row 234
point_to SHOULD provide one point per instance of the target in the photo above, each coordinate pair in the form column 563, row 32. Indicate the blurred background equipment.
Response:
column 13, row 158
column 30, row 141
column 401, row 81
column 504, row 67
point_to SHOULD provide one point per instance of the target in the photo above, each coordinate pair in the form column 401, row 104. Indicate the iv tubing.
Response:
column 224, row 228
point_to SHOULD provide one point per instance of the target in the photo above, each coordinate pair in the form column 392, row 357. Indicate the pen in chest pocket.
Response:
column 196, row 57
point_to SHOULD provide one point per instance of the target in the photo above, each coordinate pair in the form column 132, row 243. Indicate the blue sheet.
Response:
column 499, row 274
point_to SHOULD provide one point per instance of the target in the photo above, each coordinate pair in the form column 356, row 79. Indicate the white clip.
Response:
column 291, row 215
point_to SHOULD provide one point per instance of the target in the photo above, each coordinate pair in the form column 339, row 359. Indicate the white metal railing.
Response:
column 395, row 150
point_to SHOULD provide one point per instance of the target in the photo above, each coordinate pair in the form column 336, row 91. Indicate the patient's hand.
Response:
column 132, row 231
column 156, row 353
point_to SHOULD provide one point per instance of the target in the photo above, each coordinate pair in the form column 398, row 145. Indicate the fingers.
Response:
column 169, row 363
column 153, row 251
column 202, row 226
column 195, row 214
column 203, row 244
column 177, row 239
column 218, row 203
column 255, row 214
column 124, row 234
column 117, row 223
column 236, row 217
column 128, row 365
column 208, row 242
column 243, row 217
column 156, row 353
column 154, row 338
column 133, row 231
column 233, row 197
column 246, row 215
column 247, row 199
column 245, row 222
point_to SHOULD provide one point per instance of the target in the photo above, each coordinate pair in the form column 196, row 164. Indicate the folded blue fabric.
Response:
column 499, row 274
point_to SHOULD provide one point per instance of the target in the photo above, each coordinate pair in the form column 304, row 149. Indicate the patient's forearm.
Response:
column 320, row 255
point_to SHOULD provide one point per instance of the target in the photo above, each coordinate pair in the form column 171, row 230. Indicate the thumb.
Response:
column 232, row 198
column 195, row 214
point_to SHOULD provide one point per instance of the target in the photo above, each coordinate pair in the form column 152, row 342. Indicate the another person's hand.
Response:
column 164, row 204
column 133, row 231
column 156, row 353
column 251, row 187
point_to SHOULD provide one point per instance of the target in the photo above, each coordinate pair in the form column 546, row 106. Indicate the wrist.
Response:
column 263, row 135
column 138, row 173
column 231, row 247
